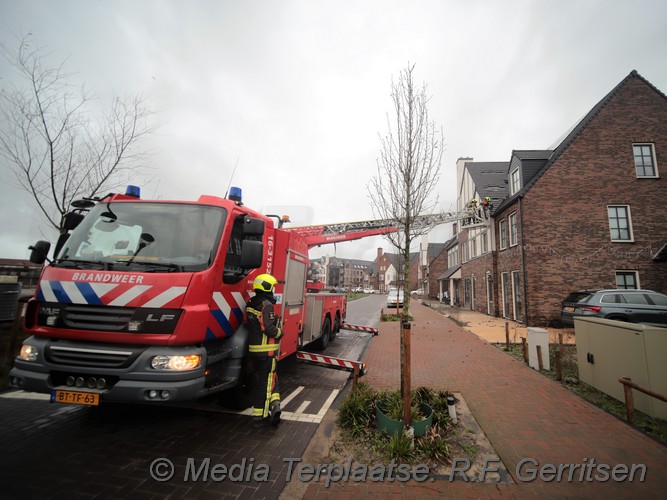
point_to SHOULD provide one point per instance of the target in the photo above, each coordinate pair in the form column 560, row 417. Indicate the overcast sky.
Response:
column 298, row 91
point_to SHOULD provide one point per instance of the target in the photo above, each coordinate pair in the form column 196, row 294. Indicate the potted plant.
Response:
column 389, row 415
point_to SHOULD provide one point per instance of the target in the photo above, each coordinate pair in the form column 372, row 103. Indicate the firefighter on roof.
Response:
column 264, row 344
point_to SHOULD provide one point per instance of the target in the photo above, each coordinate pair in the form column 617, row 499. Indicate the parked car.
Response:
column 358, row 290
column 634, row 306
column 417, row 293
column 394, row 297
column 369, row 290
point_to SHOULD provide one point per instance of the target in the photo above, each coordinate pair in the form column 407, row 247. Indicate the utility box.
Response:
column 538, row 337
column 10, row 293
column 609, row 349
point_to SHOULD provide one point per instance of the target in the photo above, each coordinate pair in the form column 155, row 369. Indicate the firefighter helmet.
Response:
column 264, row 282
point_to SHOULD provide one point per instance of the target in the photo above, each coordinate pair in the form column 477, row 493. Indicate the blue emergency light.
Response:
column 133, row 191
column 235, row 194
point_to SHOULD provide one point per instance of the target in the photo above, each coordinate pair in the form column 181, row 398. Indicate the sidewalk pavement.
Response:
column 523, row 413
column 493, row 329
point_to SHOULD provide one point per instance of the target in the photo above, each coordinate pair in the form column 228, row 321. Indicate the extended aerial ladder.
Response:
column 348, row 231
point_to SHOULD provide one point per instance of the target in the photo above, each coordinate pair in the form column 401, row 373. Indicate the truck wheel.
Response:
column 326, row 332
column 336, row 328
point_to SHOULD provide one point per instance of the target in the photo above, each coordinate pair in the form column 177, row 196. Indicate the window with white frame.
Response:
column 620, row 224
column 627, row 279
column 453, row 257
column 515, row 181
column 505, row 283
column 644, row 160
column 516, row 295
column 473, row 248
column 512, row 223
column 502, row 230
column 485, row 242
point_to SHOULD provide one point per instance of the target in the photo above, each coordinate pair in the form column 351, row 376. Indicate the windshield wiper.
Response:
column 165, row 265
column 76, row 263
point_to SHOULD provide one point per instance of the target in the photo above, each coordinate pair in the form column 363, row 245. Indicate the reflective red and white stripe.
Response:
column 344, row 363
column 74, row 292
column 235, row 301
column 355, row 328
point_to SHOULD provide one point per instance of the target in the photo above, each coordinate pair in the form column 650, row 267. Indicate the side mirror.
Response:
column 39, row 253
column 252, row 253
column 253, row 227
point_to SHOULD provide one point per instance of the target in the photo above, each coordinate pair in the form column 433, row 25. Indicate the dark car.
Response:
column 634, row 306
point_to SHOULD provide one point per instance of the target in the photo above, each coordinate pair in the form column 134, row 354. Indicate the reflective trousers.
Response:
column 266, row 390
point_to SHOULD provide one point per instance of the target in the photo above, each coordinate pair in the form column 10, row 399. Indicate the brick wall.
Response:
column 510, row 262
column 437, row 267
column 478, row 268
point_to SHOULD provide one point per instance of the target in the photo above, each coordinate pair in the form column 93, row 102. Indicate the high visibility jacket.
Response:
column 263, row 330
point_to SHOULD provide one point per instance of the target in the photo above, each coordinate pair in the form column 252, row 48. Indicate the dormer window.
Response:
column 515, row 181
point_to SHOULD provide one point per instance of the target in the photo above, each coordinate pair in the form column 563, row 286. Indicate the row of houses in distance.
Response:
column 335, row 272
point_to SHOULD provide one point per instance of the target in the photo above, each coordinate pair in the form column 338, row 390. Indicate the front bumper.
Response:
column 129, row 380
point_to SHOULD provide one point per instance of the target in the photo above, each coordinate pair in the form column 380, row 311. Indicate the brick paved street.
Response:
column 523, row 413
column 77, row 452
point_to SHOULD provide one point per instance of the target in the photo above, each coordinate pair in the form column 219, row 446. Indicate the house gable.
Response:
column 576, row 131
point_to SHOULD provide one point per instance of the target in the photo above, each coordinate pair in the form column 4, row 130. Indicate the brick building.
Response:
column 23, row 271
column 425, row 266
column 588, row 213
column 473, row 286
column 386, row 271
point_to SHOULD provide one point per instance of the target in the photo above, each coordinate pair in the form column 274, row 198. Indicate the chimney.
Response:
column 379, row 254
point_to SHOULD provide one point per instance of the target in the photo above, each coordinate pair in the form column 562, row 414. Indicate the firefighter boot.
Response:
column 274, row 413
column 259, row 422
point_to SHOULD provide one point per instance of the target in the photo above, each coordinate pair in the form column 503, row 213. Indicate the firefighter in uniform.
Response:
column 264, row 335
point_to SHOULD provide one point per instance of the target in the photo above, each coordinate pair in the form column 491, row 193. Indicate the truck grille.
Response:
column 83, row 355
column 160, row 321
column 97, row 318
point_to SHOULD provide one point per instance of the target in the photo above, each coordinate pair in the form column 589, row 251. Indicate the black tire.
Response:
column 323, row 341
column 336, row 328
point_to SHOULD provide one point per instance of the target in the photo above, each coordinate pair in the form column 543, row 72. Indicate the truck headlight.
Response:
column 28, row 353
column 176, row 363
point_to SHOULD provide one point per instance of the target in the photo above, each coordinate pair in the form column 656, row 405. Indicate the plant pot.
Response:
column 390, row 426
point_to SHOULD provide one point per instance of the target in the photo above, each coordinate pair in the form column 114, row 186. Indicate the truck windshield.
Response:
column 155, row 237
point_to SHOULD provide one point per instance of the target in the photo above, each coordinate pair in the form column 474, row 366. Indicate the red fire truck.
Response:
column 144, row 300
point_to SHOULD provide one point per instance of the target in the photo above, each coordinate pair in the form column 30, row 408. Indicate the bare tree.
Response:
column 57, row 152
column 408, row 169
column 407, row 173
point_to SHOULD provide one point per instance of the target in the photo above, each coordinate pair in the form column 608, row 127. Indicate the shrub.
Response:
column 357, row 411
column 400, row 448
